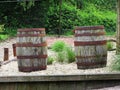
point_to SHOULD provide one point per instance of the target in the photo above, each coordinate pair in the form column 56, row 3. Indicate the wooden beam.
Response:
column 58, row 78
column 118, row 27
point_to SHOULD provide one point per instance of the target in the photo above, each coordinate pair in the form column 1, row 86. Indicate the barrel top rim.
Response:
column 30, row 29
column 89, row 27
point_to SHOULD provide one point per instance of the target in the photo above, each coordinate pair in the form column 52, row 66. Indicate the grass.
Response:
column 58, row 46
column 116, row 63
column 61, row 57
column 70, row 54
column 111, row 33
column 109, row 46
column 50, row 60
column 64, row 52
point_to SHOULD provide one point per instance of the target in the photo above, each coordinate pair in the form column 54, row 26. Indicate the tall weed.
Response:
column 63, row 51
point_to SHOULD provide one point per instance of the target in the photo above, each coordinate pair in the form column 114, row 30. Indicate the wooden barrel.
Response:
column 31, row 49
column 90, row 47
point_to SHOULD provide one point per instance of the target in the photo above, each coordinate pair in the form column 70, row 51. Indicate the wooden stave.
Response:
column 77, row 60
column 81, row 64
column 89, row 27
column 29, row 69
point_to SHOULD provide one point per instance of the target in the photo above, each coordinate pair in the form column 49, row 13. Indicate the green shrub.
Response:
column 63, row 51
column 70, row 54
column 109, row 46
column 3, row 37
column 61, row 57
column 50, row 60
column 58, row 46
column 88, row 12
column 1, row 28
column 11, row 31
column 116, row 63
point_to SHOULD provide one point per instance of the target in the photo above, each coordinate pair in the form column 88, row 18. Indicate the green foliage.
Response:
column 116, row 63
column 70, row 54
column 61, row 56
column 50, row 60
column 58, row 46
column 68, row 19
column 111, row 33
column 3, row 37
column 44, row 13
column 1, row 28
column 93, row 16
column 87, row 16
column 27, row 4
column 11, row 31
column 64, row 52
column 109, row 46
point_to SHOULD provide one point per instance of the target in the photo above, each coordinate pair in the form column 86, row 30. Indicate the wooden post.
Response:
column 14, row 49
column 118, row 27
column 6, row 54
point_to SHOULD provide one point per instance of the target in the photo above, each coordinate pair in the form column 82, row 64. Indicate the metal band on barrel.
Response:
column 32, row 57
column 90, row 34
column 87, row 43
column 29, row 69
column 82, row 57
column 31, row 35
column 31, row 29
column 91, row 63
column 89, row 28
column 31, row 44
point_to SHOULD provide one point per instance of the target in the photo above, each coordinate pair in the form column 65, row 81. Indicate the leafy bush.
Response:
column 88, row 12
column 3, row 37
column 50, row 60
column 11, row 31
column 58, row 46
column 1, row 28
column 90, row 15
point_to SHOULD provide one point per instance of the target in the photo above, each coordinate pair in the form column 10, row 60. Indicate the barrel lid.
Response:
column 89, row 27
column 30, row 29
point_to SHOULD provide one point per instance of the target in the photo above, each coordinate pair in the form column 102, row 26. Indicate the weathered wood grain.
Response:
column 60, row 82
column 6, row 54
column 14, row 49
column 90, row 47
column 31, row 50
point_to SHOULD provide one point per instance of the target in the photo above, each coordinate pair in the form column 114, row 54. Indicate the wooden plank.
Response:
column 22, row 86
column 67, row 86
column 82, row 77
column 8, row 86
